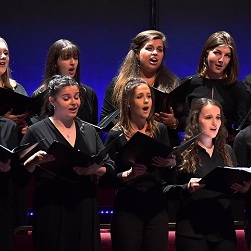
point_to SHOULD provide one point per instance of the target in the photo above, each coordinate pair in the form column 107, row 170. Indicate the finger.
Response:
column 164, row 115
column 171, row 110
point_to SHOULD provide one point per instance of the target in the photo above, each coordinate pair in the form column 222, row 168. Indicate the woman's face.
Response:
column 141, row 102
column 67, row 102
column 67, row 65
column 209, row 121
column 151, row 56
column 4, row 58
column 218, row 60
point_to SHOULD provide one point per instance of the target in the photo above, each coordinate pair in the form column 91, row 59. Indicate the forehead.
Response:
column 224, row 48
column 142, row 88
column 3, row 45
column 69, row 50
column 210, row 109
column 154, row 42
column 71, row 89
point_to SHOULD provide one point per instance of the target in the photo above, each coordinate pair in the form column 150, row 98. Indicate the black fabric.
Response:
column 140, row 220
column 12, row 203
column 65, row 208
column 204, row 214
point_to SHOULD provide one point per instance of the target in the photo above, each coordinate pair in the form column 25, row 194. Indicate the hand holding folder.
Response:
column 66, row 157
column 18, row 103
column 221, row 178
column 175, row 98
column 18, row 152
column 142, row 148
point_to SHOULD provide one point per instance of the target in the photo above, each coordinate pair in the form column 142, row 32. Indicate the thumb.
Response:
column 171, row 110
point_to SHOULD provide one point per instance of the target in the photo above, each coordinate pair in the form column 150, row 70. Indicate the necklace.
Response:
column 63, row 129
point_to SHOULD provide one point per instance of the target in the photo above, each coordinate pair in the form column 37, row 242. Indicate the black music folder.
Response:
column 175, row 98
column 177, row 150
column 107, row 122
column 221, row 178
column 18, row 103
column 66, row 157
column 142, row 148
column 18, row 152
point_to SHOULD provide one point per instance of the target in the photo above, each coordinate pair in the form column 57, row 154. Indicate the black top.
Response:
column 65, row 206
column 142, row 195
column 247, row 84
column 9, row 139
column 242, row 149
column 233, row 98
column 107, row 106
column 204, row 213
column 12, row 209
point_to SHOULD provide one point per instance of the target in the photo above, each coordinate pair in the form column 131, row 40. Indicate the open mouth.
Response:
column 153, row 60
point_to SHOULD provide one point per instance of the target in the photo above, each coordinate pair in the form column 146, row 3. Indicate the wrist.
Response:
column 126, row 175
column 175, row 124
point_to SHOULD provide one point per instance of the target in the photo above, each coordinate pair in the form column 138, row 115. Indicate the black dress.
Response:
column 8, row 188
column 204, row 214
column 140, row 218
column 242, row 149
column 65, row 207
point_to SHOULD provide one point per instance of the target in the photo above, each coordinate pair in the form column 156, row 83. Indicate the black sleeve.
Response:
column 94, row 100
column 107, row 106
column 242, row 100
column 241, row 149
column 88, row 111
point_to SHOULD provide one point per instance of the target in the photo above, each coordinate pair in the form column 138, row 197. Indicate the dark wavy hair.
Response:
column 189, row 157
column 56, row 83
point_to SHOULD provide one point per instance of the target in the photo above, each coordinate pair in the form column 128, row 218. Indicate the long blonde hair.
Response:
column 6, row 76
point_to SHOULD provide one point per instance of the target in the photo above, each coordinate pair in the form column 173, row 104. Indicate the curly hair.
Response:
column 189, row 157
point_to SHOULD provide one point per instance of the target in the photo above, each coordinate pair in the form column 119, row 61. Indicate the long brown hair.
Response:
column 190, row 159
column 60, row 49
column 215, row 40
column 130, row 67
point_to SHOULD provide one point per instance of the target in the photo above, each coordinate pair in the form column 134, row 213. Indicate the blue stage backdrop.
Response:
column 103, row 29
